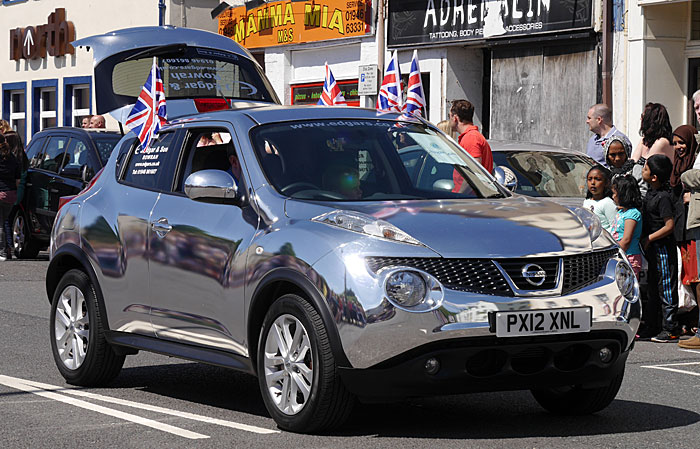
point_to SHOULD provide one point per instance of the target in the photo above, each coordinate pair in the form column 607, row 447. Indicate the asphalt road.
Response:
column 158, row 401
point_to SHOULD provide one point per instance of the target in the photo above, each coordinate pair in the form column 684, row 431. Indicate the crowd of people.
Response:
column 644, row 198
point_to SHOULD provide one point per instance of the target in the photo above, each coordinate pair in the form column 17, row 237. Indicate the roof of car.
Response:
column 514, row 145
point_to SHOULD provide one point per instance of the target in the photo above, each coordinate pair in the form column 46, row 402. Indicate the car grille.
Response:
column 482, row 275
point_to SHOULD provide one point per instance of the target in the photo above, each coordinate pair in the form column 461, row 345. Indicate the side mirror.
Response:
column 211, row 184
column 86, row 173
column 506, row 177
column 71, row 172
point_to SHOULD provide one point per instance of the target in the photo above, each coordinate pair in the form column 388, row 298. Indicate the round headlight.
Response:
column 406, row 288
column 626, row 281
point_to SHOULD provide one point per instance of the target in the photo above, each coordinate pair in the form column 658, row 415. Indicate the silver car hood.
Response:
column 513, row 227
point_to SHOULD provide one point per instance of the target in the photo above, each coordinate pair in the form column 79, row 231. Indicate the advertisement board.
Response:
column 294, row 22
column 413, row 22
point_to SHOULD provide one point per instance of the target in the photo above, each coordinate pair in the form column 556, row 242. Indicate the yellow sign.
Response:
column 294, row 22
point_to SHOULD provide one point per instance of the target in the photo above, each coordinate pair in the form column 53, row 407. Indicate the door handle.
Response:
column 161, row 227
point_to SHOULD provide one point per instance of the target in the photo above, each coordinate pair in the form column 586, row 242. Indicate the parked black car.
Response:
column 61, row 162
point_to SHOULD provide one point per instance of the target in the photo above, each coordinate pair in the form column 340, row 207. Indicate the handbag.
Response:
column 8, row 196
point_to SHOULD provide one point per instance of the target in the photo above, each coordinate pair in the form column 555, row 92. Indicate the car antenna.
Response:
column 121, row 128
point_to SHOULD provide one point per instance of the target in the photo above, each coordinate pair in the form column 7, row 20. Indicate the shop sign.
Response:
column 34, row 42
column 294, row 22
column 414, row 22
column 311, row 93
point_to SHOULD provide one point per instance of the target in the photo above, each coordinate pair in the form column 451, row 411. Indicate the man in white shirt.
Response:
column 599, row 121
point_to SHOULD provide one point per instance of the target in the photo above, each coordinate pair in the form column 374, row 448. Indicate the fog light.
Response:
column 432, row 366
column 606, row 355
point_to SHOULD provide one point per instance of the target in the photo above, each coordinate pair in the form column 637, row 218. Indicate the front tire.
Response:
column 297, row 372
column 78, row 344
column 576, row 400
column 23, row 245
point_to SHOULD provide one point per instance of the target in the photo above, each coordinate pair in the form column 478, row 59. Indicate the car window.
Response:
column 52, row 158
column 34, row 151
column 547, row 173
column 366, row 160
column 153, row 168
column 105, row 145
column 209, row 149
column 80, row 155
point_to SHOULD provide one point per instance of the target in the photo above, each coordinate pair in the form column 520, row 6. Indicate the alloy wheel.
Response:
column 288, row 364
column 72, row 327
column 18, row 234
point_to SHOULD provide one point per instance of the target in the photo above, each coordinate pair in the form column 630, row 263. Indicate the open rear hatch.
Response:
column 201, row 71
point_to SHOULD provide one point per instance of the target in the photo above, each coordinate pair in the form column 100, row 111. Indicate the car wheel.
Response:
column 78, row 343
column 297, row 372
column 576, row 400
column 23, row 246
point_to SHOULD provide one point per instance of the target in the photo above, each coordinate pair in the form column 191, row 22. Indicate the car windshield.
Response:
column 368, row 160
column 546, row 173
column 105, row 144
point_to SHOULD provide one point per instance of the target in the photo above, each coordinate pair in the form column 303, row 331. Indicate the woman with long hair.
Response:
column 656, row 132
column 10, row 172
column 17, row 150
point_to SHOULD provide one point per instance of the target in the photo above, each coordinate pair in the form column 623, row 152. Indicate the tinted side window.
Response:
column 53, row 155
column 80, row 154
column 34, row 151
column 154, row 167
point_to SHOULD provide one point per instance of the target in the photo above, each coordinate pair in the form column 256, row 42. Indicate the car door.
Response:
column 42, row 185
column 68, row 181
column 196, row 256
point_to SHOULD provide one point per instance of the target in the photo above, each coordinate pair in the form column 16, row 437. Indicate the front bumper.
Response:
column 492, row 364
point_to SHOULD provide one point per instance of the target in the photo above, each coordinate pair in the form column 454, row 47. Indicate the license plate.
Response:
column 543, row 322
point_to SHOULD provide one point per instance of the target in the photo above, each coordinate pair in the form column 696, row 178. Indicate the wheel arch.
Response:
column 281, row 282
column 66, row 258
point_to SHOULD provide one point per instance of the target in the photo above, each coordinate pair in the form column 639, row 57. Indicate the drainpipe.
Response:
column 161, row 12
column 381, row 46
column 183, row 14
column 607, row 52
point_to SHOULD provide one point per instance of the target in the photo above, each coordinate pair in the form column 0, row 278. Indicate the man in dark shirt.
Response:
column 10, row 172
column 659, row 245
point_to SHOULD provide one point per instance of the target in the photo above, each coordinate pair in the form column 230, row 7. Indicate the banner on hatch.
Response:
column 294, row 22
column 414, row 22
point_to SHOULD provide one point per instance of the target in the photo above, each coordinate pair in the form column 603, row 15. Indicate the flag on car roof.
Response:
column 149, row 114
column 390, row 94
column 331, row 95
column 415, row 98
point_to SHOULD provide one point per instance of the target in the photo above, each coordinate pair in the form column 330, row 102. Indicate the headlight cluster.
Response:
column 365, row 224
column 627, row 281
column 413, row 290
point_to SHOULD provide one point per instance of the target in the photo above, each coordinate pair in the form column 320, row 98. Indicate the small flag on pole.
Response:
column 390, row 94
column 331, row 95
column 149, row 113
column 415, row 99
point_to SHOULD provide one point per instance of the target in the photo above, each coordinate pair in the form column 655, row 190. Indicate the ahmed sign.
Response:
column 54, row 38
column 293, row 22
column 414, row 22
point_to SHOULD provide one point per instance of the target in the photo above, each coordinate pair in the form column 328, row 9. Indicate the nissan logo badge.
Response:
column 534, row 274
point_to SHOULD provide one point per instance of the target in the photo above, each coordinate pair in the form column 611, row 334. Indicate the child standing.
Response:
column 598, row 199
column 659, row 245
column 627, row 227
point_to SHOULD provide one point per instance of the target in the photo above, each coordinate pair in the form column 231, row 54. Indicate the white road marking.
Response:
column 153, row 408
column 690, row 350
column 667, row 367
column 20, row 384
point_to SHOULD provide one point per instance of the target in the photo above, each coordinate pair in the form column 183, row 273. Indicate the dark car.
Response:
column 61, row 162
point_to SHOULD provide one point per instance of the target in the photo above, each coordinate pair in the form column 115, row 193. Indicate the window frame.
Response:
column 39, row 86
column 8, row 113
column 70, row 85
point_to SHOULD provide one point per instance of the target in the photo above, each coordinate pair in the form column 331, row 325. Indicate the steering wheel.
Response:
column 296, row 186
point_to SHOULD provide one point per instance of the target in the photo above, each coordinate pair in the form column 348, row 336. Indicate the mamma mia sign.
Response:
column 434, row 21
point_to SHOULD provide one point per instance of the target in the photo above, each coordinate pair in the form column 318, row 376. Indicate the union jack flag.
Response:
column 331, row 96
column 415, row 99
column 148, row 114
column 390, row 94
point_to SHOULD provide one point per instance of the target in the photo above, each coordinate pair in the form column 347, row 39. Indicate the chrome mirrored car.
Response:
column 342, row 268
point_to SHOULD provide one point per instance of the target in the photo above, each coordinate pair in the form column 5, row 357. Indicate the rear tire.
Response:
column 78, row 343
column 575, row 400
column 23, row 245
column 297, row 371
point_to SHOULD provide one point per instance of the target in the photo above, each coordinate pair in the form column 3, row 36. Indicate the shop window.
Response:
column 14, row 107
column 44, row 104
column 77, row 99
column 311, row 92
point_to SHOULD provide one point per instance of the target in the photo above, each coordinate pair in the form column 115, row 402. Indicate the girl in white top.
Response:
column 599, row 197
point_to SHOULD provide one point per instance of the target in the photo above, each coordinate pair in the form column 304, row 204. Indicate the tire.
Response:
column 576, row 400
column 78, row 344
column 326, row 403
column 23, row 245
